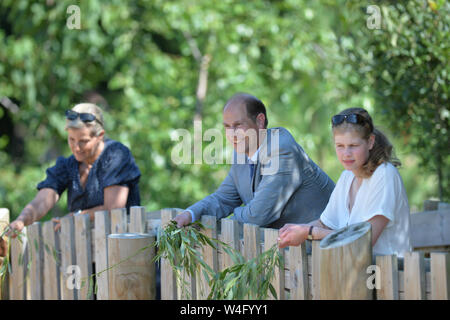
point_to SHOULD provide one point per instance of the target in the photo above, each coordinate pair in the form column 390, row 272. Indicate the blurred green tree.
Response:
column 406, row 64
column 157, row 66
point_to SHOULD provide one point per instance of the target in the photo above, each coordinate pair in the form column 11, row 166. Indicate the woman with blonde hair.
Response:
column 101, row 174
column 370, row 189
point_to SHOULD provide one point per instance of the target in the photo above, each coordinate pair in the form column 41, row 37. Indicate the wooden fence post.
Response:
column 36, row 257
column 138, row 220
column 230, row 236
column 315, row 270
column 168, row 281
column 17, row 277
column 209, row 255
column 84, row 255
column 68, row 259
column 298, row 273
column 52, row 260
column 119, row 220
column 388, row 274
column 270, row 239
column 130, row 267
column 440, row 276
column 414, row 276
column 102, row 230
column 344, row 257
column 252, row 241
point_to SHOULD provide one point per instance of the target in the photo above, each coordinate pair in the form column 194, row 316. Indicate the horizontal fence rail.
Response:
column 62, row 265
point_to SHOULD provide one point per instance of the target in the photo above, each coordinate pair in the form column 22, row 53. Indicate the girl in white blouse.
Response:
column 370, row 189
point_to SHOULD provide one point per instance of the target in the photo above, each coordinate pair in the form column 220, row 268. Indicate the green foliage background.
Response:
column 139, row 59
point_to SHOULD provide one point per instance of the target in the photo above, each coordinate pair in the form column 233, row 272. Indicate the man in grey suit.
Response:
column 275, row 180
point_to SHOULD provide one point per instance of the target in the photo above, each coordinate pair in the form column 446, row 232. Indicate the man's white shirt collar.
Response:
column 254, row 157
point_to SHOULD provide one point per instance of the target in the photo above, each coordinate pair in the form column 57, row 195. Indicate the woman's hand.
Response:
column 34, row 211
column 292, row 235
column 57, row 224
column 3, row 247
column 57, row 221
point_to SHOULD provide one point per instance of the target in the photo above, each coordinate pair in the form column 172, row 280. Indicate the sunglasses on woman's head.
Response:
column 85, row 117
column 353, row 118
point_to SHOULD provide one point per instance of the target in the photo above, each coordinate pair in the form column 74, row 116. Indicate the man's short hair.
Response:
column 253, row 105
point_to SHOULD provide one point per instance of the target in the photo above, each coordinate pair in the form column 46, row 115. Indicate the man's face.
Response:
column 240, row 130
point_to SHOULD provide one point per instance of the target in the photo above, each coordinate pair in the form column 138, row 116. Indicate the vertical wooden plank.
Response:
column 102, row 230
column 4, row 219
column 138, row 224
column 84, row 255
column 315, row 269
column 168, row 281
column 270, row 239
column 209, row 255
column 119, row 221
column 17, row 277
column 153, row 223
column 298, row 271
column 414, row 276
column 36, row 258
column 52, row 290
column 68, row 259
column 252, row 241
column 388, row 277
column 440, row 275
column 4, row 222
column 251, row 246
column 138, row 220
column 189, row 289
column 230, row 236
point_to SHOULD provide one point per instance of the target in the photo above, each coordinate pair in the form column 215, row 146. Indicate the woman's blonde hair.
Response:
column 382, row 150
column 96, row 126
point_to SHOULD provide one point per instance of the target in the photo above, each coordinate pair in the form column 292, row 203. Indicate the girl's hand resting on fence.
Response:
column 292, row 235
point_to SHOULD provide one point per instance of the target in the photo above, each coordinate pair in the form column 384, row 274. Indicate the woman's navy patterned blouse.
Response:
column 114, row 166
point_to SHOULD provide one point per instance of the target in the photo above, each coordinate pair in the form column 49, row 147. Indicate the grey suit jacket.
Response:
column 286, row 186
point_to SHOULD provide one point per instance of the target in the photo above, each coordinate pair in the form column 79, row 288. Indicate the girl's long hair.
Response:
column 382, row 150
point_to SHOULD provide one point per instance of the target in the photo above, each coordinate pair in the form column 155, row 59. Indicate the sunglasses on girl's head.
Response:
column 350, row 118
column 85, row 117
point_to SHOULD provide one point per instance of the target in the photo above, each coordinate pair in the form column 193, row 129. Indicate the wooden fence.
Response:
column 47, row 265
column 49, row 256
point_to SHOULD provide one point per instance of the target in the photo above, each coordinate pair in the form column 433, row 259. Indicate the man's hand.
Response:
column 183, row 219
column 292, row 235
column 15, row 227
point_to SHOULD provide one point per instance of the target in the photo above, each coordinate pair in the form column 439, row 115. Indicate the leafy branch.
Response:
column 21, row 237
column 243, row 280
column 248, row 280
